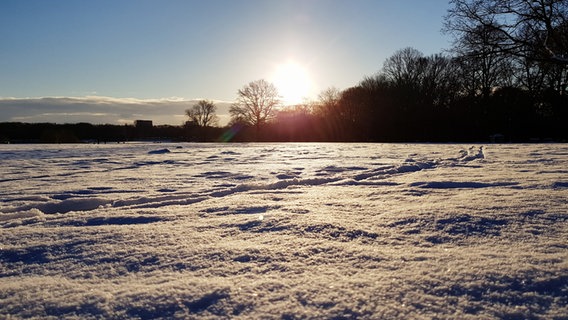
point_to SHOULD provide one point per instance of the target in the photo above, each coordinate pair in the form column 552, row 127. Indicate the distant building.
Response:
column 143, row 124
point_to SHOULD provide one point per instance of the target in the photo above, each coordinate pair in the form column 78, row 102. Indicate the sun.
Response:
column 293, row 82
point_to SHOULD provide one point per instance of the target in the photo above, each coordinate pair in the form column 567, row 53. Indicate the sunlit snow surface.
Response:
column 284, row 231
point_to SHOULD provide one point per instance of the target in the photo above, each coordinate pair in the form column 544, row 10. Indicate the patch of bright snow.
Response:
column 284, row 231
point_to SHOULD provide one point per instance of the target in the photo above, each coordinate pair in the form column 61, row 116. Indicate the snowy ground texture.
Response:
column 284, row 231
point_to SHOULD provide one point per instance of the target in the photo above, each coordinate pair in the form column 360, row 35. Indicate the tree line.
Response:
column 504, row 78
column 17, row 132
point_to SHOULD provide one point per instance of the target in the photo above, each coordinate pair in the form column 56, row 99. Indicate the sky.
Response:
column 113, row 61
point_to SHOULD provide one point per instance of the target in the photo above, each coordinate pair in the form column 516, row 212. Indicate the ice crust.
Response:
column 284, row 231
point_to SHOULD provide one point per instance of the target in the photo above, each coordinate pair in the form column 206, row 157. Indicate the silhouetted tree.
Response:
column 327, row 101
column 356, row 114
column 482, row 65
column 326, row 109
column 441, row 82
column 517, row 45
column 404, row 67
column 203, row 113
column 295, row 123
column 256, row 104
column 519, row 23
column 380, row 107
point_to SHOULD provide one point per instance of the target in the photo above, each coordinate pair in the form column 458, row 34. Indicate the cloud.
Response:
column 101, row 110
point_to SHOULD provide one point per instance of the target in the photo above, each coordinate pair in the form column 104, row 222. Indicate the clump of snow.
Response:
column 21, row 218
column 21, row 215
column 284, row 231
column 159, row 151
column 473, row 153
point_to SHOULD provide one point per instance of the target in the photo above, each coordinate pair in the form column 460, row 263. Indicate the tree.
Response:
column 203, row 114
column 256, row 104
column 406, row 71
column 526, row 28
column 426, row 80
column 405, row 67
column 355, row 114
column 327, row 101
column 327, row 110
column 483, row 67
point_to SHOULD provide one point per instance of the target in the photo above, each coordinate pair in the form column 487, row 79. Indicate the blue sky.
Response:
column 161, row 49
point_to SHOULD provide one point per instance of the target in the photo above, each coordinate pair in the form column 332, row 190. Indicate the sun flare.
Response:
column 293, row 82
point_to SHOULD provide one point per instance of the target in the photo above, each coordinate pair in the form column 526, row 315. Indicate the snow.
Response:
column 284, row 231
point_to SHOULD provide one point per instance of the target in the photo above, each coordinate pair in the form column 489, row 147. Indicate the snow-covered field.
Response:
column 284, row 231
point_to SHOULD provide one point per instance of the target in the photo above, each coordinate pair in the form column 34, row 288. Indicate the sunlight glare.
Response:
column 293, row 82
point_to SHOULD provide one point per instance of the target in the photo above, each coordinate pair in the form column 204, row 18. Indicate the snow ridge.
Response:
column 99, row 197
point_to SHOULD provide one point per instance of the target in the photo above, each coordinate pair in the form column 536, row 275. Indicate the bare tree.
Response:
column 440, row 83
column 481, row 62
column 405, row 67
column 203, row 113
column 526, row 28
column 256, row 104
column 328, row 102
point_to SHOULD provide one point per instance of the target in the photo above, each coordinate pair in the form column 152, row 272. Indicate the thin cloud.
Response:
column 100, row 109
